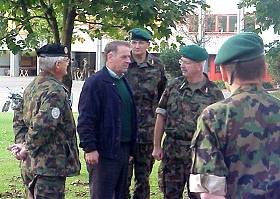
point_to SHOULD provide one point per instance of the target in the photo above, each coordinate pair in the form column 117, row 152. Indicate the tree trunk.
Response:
column 67, row 33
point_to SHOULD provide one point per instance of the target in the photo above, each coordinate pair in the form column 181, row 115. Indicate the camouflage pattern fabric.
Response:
column 147, row 82
column 173, row 172
column 183, row 104
column 51, row 138
column 27, row 176
column 48, row 187
column 239, row 139
column 20, row 130
column 143, row 164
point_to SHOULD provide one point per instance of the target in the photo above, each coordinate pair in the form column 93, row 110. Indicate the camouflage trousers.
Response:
column 142, row 164
column 174, row 170
column 26, row 176
column 47, row 187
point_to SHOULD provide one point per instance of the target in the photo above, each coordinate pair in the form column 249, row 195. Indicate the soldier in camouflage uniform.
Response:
column 147, row 80
column 45, row 129
column 236, row 145
column 180, row 105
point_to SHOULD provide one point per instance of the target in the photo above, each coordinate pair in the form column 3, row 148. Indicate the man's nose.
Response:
column 128, row 60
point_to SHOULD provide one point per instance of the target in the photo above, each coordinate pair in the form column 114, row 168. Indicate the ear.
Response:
column 109, row 55
column 56, row 66
column 224, row 74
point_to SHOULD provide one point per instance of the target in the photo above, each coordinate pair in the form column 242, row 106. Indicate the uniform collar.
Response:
column 113, row 74
column 149, row 61
column 50, row 76
column 203, row 86
column 248, row 88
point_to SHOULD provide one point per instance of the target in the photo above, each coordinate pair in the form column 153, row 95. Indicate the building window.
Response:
column 210, row 23
column 193, row 23
column 217, row 69
column 221, row 23
column 232, row 23
column 249, row 22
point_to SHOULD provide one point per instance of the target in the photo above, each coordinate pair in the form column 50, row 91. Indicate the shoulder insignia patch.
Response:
column 55, row 113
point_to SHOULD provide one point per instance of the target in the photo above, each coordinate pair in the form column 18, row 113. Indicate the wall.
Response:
column 4, row 63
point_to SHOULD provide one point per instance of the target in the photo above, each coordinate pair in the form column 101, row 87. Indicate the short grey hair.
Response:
column 48, row 63
column 113, row 47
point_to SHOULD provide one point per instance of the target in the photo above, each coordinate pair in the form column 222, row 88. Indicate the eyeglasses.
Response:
column 65, row 59
column 182, row 62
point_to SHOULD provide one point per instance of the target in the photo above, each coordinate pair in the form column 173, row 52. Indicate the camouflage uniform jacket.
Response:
column 20, row 130
column 147, row 82
column 51, row 138
column 236, row 146
column 181, row 105
column 19, row 127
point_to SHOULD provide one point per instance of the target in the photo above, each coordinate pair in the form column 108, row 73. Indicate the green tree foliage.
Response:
column 273, row 59
column 249, row 22
column 170, row 58
column 54, row 20
column 267, row 15
column 220, row 84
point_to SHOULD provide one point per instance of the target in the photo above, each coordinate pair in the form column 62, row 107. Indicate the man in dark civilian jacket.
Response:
column 107, row 124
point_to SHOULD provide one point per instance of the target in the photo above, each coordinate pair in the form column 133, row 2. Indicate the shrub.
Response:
column 220, row 84
column 267, row 85
column 170, row 58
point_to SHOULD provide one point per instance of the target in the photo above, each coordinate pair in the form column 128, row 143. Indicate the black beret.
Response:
column 52, row 50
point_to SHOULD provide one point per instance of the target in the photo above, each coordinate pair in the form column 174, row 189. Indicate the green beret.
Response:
column 140, row 34
column 53, row 50
column 194, row 52
column 242, row 47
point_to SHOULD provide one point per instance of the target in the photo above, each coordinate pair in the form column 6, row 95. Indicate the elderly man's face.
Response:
column 120, row 59
column 62, row 65
column 189, row 67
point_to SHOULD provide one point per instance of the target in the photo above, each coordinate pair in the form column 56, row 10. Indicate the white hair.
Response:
column 48, row 63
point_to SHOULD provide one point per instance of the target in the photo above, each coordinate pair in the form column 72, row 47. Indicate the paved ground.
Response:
column 17, row 84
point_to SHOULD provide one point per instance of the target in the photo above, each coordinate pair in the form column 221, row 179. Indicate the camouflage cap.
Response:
column 242, row 47
column 52, row 50
column 140, row 34
column 194, row 52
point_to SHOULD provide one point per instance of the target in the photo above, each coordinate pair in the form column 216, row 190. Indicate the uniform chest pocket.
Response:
column 199, row 104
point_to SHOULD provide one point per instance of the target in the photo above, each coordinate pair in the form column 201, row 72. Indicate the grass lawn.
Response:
column 10, row 180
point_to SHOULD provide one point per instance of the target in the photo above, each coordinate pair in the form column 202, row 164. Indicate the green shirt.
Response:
column 126, row 109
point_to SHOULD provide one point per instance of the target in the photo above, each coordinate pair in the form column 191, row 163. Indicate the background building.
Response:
column 208, row 28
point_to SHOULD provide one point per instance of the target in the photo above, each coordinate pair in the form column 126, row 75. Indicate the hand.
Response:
column 130, row 159
column 210, row 196
column 19, row 151
column 157, row 153
column 92, row 157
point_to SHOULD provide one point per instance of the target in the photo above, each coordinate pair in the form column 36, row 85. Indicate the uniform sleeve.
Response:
column 19, row 127
column 162, row 105
column 216, row 92
column 219, row 95
column 163, row 81
column 89, row 116
column 209, row 171
column 45, row 122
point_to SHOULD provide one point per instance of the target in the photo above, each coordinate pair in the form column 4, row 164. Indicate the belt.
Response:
column 178, row 141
